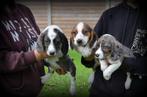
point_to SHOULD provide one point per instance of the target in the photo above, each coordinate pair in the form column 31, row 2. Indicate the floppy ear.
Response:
column 127, row 52
column 71, row 43
column 40, row 41
column 121, row 51
column 64, row 41
column 93, row 38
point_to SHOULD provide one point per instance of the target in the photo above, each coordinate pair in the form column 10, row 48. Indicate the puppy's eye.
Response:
column 106, row 49
column 47, row 40
column 85, row 32
column 74, row 32
column 57, row 41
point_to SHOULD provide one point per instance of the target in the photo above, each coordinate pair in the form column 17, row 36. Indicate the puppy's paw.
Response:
column 45, row 78
column 106, row 75
column 91, row 78
column 103, row 67
column 128, row 81
column 73, row 90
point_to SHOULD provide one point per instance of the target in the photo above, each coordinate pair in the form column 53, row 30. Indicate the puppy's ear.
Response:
column 71, row 43
column 93, row 38
column 64, row 41
column 127, row 52
column 40, row 41
column 123, row 50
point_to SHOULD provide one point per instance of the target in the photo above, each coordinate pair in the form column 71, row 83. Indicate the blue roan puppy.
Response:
column 53, row 41
column 110, row 54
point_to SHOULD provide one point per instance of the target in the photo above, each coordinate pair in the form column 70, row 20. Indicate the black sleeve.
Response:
column 136, row 65
column 99, row 26
column 86, row 63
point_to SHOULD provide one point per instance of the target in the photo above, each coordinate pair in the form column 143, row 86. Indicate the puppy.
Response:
column 83, row 39
column 110, row 54
column 53, row 41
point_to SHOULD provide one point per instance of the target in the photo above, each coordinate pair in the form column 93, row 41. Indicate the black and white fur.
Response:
column 110, row 54
column 53, row 41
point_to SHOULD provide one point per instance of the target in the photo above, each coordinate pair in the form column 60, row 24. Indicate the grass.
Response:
column 58, row 85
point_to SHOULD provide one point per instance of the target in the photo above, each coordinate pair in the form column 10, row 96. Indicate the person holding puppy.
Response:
column 126, row 22
column 20, row 66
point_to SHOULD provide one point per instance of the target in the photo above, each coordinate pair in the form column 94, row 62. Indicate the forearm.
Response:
column 16, row 61
column 87, row 62
column 138, row 64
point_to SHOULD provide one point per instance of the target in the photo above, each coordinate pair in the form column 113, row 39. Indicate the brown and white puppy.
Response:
column 53, row 41
column 110, row 54
column 84, row 40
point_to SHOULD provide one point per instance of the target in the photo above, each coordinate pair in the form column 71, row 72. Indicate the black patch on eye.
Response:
column 57, row 42
column 47, row 40
column 57, row 30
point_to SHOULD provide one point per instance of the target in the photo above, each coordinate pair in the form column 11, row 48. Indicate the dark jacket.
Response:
column 129, row 26
column 19, row 71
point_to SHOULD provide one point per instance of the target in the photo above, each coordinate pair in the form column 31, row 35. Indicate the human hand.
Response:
column 40, row 55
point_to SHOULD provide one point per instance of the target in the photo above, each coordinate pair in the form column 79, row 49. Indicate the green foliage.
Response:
column 58, row 85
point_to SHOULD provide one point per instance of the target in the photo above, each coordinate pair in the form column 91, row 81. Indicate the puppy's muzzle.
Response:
column 52, row 53
column 79, row 42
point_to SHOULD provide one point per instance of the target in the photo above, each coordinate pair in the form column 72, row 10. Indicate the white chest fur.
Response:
column 53, row 62
column 85, row 51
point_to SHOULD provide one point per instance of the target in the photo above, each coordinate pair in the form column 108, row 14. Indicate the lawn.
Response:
column 58, row 85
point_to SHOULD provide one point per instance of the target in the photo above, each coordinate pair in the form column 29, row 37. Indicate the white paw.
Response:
column 128, row 81
column 45, row 78
column 91, row 78
column 73, row 90
column 106, row 75
column 103, row 67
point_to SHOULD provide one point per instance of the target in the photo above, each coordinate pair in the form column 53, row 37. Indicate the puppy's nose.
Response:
column 79, row 41
column 97, row 55
column 52, row 53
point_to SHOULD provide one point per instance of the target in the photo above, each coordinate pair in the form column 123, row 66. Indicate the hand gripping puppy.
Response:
column 110, row 54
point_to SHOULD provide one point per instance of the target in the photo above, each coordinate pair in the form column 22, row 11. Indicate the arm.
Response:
column 87, row 62
column 12, row 61
column 136, row 65
column 99, row 27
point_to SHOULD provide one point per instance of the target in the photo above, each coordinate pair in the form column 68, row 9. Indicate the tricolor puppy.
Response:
column 110, row 54
column 53, row 41
column 84, row 40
